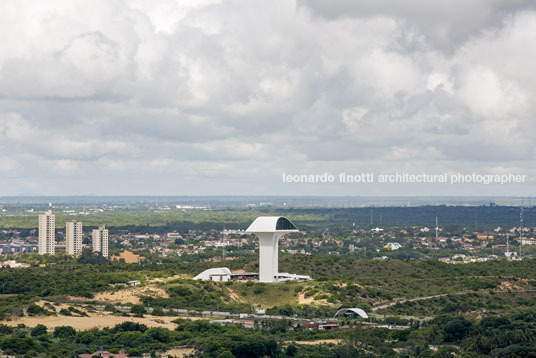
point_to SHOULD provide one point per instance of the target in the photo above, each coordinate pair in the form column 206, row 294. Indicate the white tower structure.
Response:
column 269, row 229
column 47, row 233
column 73, row 236
column 100, row 240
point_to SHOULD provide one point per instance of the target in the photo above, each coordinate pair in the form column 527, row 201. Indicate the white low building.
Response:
column 215, row 274
column 284, row 276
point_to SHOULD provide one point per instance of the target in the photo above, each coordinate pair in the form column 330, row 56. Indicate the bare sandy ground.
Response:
column 170, row 278
column 127, row 295
column 302, row 300
column 57, row 306
column 234, row 296
column 180, row 352
column 93, row 321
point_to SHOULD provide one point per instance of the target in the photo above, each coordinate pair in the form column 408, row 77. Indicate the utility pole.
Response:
column 436, row 229
column 224, row 236
column 476, row 219
column 521, row 231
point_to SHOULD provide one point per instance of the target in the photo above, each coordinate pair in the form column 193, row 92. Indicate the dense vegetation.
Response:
column 339, row 281
column 501, row 336
column 140, row 218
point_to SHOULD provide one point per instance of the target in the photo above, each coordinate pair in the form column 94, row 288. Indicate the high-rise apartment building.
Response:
column 100, row 240
column 73, row 237
column 47, row 233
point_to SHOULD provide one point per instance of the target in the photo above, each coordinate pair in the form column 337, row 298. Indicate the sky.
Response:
column 208, row 97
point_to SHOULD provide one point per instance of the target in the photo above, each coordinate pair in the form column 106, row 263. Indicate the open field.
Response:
column 93, row 321
column 130, row 295
column 180, row 352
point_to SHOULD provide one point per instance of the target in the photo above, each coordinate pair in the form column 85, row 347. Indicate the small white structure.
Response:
column 284, row 276
column 14, row 264
column 392, row 246
column 269, row 229
column 215, row 274
column 351, row 312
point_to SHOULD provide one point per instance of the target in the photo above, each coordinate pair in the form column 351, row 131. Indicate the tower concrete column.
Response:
column 267, row 253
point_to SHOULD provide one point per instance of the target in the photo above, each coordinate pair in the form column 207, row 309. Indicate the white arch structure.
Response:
column 357, row 311
column 269, row 229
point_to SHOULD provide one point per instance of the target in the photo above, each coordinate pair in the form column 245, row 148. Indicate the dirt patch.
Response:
column 180, row 352
column 234, row 296
column 58, row 306
column 513, row 285
column 170, row 278
column 94, row 321
column 302, row 300
column 128, row 295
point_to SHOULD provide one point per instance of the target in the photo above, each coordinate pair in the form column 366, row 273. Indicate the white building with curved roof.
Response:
column 352, row 312
column 215, row 274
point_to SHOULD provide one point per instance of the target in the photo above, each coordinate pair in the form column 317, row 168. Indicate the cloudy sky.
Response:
column 119, row 97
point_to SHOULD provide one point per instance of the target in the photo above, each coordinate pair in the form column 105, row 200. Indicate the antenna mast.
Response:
column 436, row 229
column 521, row 231
column 224, row 236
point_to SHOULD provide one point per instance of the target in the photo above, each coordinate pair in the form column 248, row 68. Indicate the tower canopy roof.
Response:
column 271, row 224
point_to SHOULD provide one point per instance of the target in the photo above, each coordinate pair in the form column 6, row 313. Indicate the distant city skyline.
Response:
column 216, row 98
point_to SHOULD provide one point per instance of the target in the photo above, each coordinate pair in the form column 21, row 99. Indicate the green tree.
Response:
column 138, row 310
column 64, row 332
column 39, row 330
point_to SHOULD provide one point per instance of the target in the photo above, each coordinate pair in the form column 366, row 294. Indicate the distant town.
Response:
column 389, row 241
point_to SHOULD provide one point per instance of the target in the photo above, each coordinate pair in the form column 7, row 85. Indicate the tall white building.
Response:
column 269, row 229
column 100, row 240
column 47, row 233
column 73, row 237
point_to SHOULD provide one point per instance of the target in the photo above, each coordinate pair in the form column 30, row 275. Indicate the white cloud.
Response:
column 244, row 90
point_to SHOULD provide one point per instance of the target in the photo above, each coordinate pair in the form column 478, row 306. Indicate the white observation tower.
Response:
column 269, row 229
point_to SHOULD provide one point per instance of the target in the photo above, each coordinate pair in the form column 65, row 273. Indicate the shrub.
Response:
column 64, row 332
column 35, row 310
column 138, row 310
column 39, row 330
